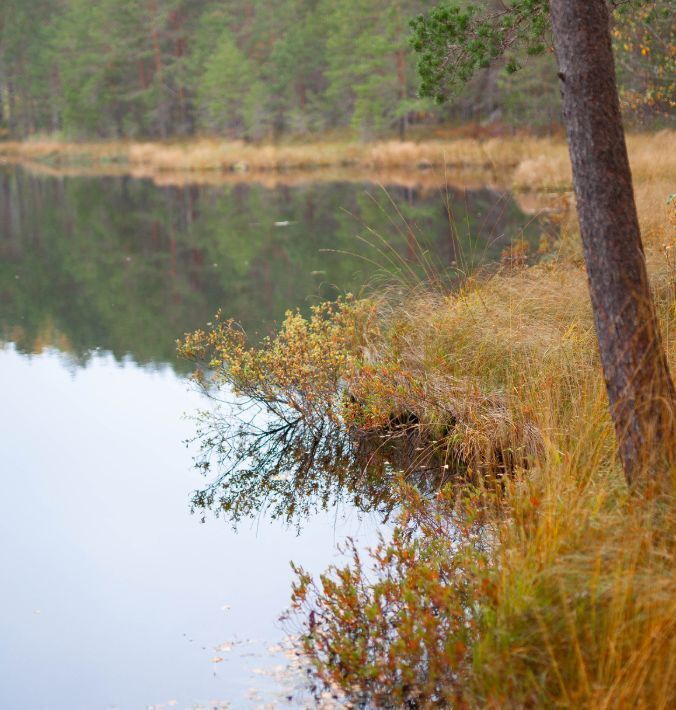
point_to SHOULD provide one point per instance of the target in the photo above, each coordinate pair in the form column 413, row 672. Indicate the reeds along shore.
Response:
column 575, row 604
column 522, row 161
column 583, row 608
column 215, row 154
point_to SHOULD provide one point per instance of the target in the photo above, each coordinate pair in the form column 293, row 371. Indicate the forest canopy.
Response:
column 257, row 69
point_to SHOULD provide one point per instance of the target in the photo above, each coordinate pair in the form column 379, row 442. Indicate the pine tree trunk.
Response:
column 2, row 96
column 640, row 389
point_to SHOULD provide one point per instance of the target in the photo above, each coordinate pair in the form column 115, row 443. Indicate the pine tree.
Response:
column 454, row 42
column 229, row 93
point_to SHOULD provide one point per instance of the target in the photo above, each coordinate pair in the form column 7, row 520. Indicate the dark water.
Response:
column 127, row 267
column 113, row 595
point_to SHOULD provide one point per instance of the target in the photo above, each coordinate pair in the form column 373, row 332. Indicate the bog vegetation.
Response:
column 520, row 571
column 524, row 574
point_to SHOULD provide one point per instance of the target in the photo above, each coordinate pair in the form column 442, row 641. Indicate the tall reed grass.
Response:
column 575, row 604
column 532, row 163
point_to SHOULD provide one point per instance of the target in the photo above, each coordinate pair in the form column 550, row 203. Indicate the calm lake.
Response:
column 113, row 594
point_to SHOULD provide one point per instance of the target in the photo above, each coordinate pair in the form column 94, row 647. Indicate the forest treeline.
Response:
column 257, row 69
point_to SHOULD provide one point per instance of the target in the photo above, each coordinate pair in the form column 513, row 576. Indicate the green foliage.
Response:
column 369, row 69
column 28, row 83
column 457, row 39
column 519, row 89
column 228, row 93
column 260, row 68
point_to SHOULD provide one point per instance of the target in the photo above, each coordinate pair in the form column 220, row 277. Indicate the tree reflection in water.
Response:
column 126, row 266
column 290, row 468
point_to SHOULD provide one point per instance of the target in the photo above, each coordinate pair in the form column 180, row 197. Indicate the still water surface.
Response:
column 113, row 595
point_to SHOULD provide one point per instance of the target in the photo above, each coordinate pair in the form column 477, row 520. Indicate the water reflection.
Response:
column 126, row 266
column 290, row 466
column 93, row 519
column 113, row 596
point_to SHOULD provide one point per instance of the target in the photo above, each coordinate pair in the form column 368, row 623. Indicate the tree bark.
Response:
column 636, row 371
column 2, row 95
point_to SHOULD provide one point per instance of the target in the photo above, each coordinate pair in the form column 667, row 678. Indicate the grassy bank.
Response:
column 526, row 162
column 470, row 177
column 533, row 579
column 221, row 155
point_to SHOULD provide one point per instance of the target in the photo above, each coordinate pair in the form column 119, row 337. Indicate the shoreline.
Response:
column 217, row 155
column 516, row 162
column 419, row 179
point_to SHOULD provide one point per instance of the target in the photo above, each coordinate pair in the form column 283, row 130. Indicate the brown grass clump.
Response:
column 476, row 367
column 533, row 578
column 564, row 582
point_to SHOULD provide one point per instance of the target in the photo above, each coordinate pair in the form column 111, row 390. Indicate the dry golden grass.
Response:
column 468, row 178
column 58, row 151
column 651, row 156
column 586, row 594
column 214, row 154
column 585, row 610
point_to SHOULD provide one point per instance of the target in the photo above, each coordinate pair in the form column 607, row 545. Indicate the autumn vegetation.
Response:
column 526, row 163
column 532, row 577
column 531, row 559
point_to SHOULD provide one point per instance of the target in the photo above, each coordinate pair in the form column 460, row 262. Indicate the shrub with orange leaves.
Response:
column 532, row 579
column 282, row 445
column 401, row 634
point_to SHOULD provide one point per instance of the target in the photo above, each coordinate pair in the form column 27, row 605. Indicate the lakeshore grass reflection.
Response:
column 123, row 265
